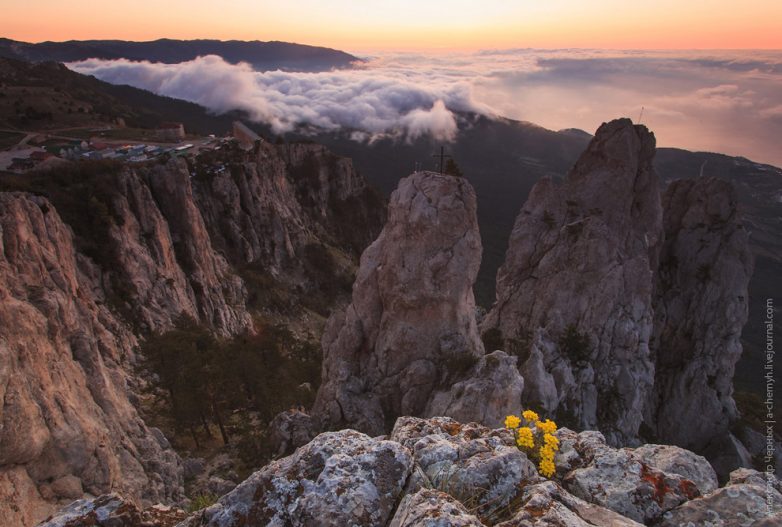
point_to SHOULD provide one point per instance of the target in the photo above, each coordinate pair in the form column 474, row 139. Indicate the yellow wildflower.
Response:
column 546, row 452
column 547, row 427
column 512, row 422
column 547, row 468
column 524, row 438
column 531, row 416
column 551, row 441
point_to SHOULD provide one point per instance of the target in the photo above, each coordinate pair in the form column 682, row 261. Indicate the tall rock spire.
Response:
column 574, row 296
column 410, row 332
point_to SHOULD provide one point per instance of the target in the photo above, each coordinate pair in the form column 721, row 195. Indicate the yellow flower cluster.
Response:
column 524, row 438
column 536, row 438
column 512, row 422
column 530, row 416
column 547, row 427
column 547, row 467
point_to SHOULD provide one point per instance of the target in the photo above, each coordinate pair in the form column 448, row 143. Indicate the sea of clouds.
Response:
column 729, row 102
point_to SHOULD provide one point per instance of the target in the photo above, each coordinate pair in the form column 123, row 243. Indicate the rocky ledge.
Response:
column 439, row 472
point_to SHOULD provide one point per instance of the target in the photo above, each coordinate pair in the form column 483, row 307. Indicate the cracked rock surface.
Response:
column 410, row 330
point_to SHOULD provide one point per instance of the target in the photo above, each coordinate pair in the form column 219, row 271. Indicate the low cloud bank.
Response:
column 726, row 102
column 362, row 100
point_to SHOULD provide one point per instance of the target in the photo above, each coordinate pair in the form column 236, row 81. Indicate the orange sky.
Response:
column 368, row 25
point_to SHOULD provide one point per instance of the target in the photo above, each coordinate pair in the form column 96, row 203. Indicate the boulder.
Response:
column 68, row 487
column 491, row 391
column 472, row 463
column 676, row 460
column 289, row 430
column 619, row 480
column 432, row 508
column 734, row 504
column 548, row 505
column 339, row 478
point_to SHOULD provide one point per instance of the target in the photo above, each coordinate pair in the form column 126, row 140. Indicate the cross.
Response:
column 442, row 155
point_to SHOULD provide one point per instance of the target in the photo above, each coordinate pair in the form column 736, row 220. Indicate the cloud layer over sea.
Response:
column 721, row 101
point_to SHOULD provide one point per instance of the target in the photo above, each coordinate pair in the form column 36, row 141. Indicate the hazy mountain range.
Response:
column 261, row 55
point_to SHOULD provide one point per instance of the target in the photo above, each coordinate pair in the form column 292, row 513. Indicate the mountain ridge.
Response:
column 262, row 55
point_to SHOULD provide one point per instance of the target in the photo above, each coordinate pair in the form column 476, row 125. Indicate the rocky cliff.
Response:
column 626, row 307
column 574, row 296
column 440, row 472
column 408, row 344
column 68, row 426
column 118, row 251
column 700, row 309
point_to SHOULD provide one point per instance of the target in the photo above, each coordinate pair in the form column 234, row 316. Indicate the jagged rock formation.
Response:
column 700, row 309
column 626, row 309
column 163, row 255
column 574, row 294
column 67, row 424
column 411, row 329
column 148, row 243
column 269, row 207
column 437, row 472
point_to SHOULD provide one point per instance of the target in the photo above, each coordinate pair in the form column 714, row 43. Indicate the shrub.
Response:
column 201, row 501
column 575, row 345
column 536, row 439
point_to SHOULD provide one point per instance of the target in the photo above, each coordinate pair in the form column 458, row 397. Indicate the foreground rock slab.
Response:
column 438, row 472
column 620, row 480
column 748, row 500
column 472, row 463
column 339, row 478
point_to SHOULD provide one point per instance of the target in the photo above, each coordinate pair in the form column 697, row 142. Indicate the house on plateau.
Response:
column 170, row 131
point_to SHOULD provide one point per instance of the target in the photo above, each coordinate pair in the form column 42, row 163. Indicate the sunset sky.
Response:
column 369, row 25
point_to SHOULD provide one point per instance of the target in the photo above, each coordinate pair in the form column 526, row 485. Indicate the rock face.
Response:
column 163, row 257
column 410, row 330
column 267, row 208
column 143, row 245
column 67, row 424
column 574, row 296
column 700, row 309
column 438, row 472
column 626, row 308
column 340, row 478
